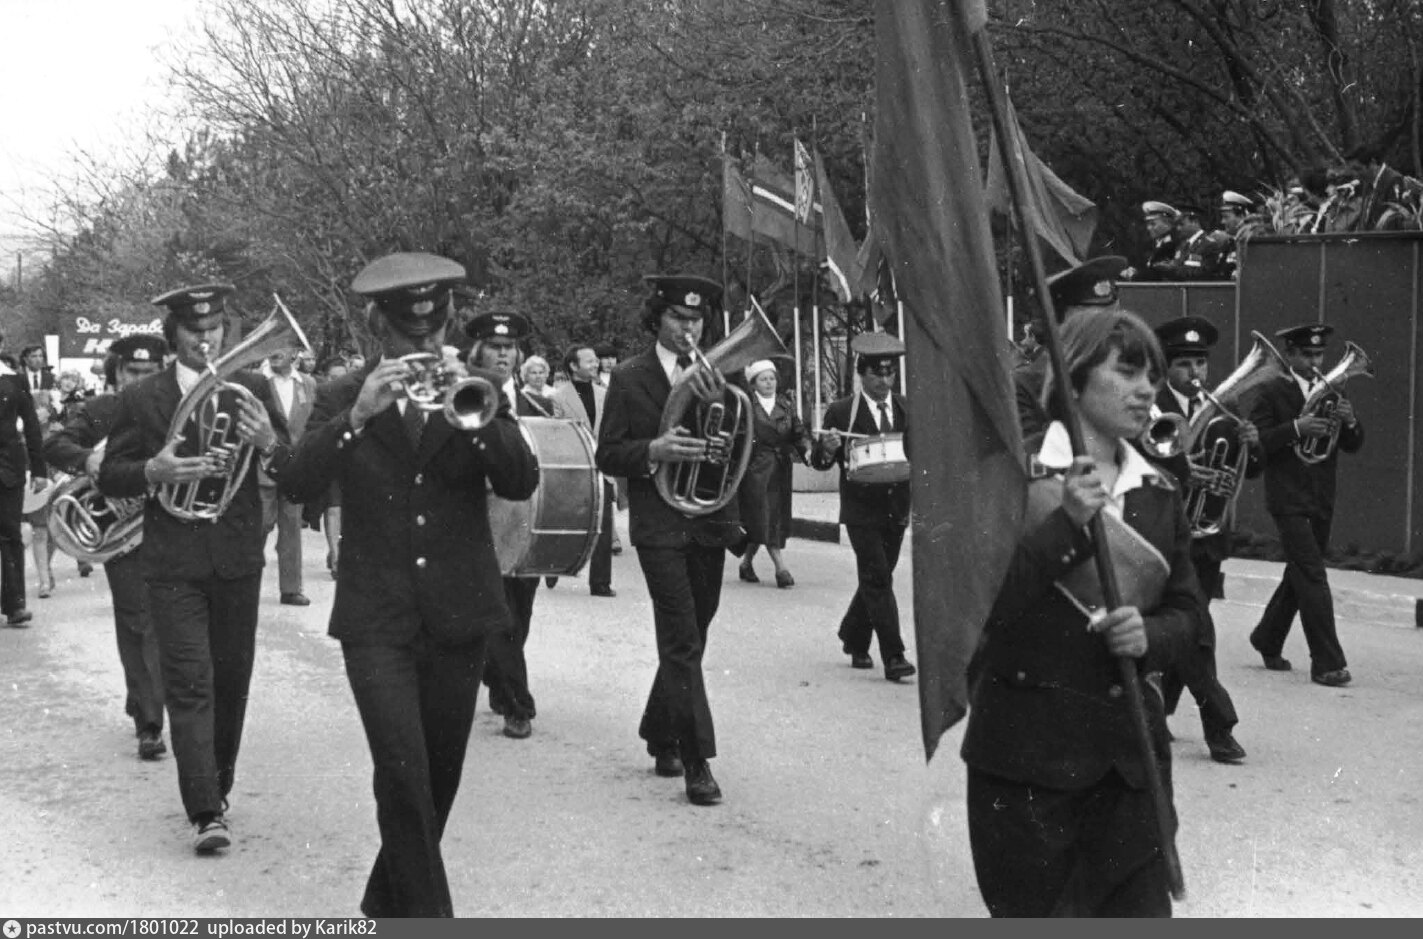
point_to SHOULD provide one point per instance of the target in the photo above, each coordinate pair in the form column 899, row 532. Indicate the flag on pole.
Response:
column 841, row 252
column 804, row 184
column 969, row 482
column 773, row 200
column 1063, row 219
column 736, row 210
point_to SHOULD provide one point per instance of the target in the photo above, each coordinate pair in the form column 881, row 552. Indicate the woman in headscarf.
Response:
column 765, row 492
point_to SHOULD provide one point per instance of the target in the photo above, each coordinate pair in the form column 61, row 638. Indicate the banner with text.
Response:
column 89, row 336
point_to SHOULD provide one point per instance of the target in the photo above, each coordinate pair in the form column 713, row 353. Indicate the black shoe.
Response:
column 1334, row 679
column 701, row 787
column 603, row 591
column 295, row 599
column 1273, row 661
column 861, row 660
column 898, row 667
column 20, row 619
column 517, row 727
column 668, row 764
column 1224, row 749
column 151, row 745
column 85, row 568
column 211, row 836
column 784, row 579
column 748, row 573
column 550, row 582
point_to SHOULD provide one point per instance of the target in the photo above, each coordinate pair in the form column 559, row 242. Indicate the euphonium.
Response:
column 468, row 402
column 88, row 526
column 1324, row 399
column 700, row 488
column 214, row 430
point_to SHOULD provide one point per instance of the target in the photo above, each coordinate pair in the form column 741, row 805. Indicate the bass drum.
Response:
column 554, row 531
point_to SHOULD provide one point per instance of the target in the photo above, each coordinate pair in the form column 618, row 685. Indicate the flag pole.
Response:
column 1131, row 680
column 751, row 248
column 816, row 234
column 725, row 276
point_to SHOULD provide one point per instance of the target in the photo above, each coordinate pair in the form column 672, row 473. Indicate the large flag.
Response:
column 773, row 201
column 804, row 184
column 1063, row 219
column 735, row 199
column 968, row 483
column 841, row 252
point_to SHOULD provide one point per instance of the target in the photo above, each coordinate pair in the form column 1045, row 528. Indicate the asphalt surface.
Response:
column 829, row 809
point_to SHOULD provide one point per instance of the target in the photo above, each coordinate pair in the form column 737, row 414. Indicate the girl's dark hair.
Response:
column 1088, row 337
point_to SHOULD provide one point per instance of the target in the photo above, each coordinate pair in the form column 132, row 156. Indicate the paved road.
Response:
column 827, row 797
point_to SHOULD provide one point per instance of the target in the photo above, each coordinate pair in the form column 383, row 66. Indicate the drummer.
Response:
column 874, row 514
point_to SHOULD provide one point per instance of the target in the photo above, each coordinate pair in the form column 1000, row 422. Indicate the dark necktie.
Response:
column 1191, row 406
column 684, row 362
column 414, row 424
column 884, row 422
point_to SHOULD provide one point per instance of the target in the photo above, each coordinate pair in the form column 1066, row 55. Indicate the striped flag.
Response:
column 804, row 184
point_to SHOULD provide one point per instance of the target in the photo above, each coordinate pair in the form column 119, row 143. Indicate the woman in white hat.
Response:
column 765, row 493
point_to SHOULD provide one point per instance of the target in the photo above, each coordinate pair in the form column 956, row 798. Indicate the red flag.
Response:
column 968, row 482
column 735, row 199
column 773, row 203
column 841, row 252
column 1063, row 219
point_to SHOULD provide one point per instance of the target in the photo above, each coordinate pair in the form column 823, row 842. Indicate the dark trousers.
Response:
column 12, row 550
column 1304, row 589
column 1197, row 671
column 505, row 672
column 137, row 641
column 600, row 565
column 416, row 703
column 285, row 517
column 685, row 586
column 207, row 631
column 873, row 610
column 1045, row 852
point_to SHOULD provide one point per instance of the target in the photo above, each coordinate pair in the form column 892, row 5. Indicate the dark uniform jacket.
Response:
column 1293, row 487
column 92, row 421
column 874, row 504
column 18, row 453
column 416, row 551
column 1046, row 702
column 632, row 417
column 174, row 549
column 1028, row 381
column 1198, row 257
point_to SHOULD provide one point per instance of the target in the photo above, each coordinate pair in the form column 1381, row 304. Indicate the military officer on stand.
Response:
column 875, row 515
column 1160, row 220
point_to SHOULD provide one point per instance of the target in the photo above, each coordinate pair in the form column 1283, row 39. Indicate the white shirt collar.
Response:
column 1304, row 383
column 187, row 377
column 511, row 391
column 1182, row 401
column 1133, row 470
column 6, row 370
column 667, row 358
column 873, row 405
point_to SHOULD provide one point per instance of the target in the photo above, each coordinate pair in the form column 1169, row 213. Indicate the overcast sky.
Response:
column 74, row 74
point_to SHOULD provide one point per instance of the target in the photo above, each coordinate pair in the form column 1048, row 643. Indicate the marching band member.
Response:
column 875, row 515
column 76, row 450
column 1186, row 342
column 1300, row 498
column 418, row 589
column 204, row 577
column 682, row 557
column 19, row 451
column 496, row 348
column 1060, row 817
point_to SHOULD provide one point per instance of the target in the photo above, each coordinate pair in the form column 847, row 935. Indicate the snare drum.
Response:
column 553, row 532
column 877, row 460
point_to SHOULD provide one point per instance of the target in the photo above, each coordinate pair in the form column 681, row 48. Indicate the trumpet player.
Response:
column 1300, row 497
column 1187, row 343
column 76, row 450
column 682, row 556
column 418, row 590
column 203, row 577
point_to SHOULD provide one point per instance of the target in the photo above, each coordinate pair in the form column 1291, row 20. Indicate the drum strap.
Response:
column 534, row 401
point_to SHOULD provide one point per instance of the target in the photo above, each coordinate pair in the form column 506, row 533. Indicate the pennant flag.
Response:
column 773, row 209
column 1063, row 219
column 969, row 483
column 804, row 184
column 841, row 252
column 735, row 199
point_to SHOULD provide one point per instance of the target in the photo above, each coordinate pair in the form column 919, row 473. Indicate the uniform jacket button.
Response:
column 419, row 520
column 419, row 478
column 421, row 562
column 1022, row 676
column 1115, row 691
column 1067, row 559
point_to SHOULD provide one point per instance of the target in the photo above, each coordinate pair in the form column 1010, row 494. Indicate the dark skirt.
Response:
column 765, row 498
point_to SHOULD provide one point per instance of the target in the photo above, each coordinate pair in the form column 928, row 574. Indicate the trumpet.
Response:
column 1324, row 400
column 468, row 402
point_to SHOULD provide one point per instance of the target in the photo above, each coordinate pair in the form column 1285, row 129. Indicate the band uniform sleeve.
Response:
column 1277, row 430
column 121, row 474
column 70, row 447
column 821, row 457
column 305, row 472
column 509, row 464
column 619, row 452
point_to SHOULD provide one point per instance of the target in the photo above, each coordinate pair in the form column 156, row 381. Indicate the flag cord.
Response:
column 1130, row 677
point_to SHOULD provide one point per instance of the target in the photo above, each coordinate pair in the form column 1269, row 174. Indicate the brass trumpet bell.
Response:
column 468, row 402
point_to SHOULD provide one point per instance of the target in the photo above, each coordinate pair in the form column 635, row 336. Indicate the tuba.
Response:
column 700, row 488
column 1211, row 441
column 214, row 430
column 1324, row 399
column 468, row 402
column 89, row 526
